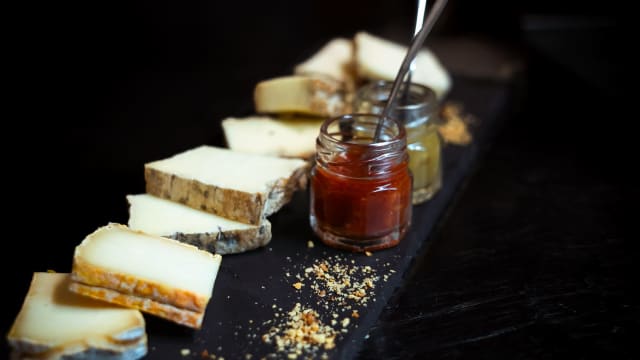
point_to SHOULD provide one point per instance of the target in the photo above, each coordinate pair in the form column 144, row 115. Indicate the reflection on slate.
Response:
column 255, row 291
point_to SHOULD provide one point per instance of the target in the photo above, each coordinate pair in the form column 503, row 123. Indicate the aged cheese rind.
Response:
column 230, row 241
column 307, row 95
column 54, row 323
column 236, row 205
column 246, row 204
column 169, row 312
column 157, row 216
column 127, row 351
column 126, row 284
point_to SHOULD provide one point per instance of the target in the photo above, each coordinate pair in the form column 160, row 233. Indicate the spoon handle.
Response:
column 416, row 44
column 422, row 9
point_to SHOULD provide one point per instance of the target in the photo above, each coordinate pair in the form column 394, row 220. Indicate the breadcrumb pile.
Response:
column 339, row 287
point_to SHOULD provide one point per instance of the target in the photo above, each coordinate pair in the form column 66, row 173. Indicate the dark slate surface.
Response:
column 250, row 284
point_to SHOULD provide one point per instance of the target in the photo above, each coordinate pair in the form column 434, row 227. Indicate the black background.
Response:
column 543, row 228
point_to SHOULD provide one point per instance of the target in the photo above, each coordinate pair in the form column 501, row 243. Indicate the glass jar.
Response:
column 360, row 189
column 418, row 111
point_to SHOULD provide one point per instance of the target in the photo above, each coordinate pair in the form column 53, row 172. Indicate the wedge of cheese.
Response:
column 218, row 235
column 160, row 276
column 55, row 323
column 378, row 58
column 334, row 59
column 305, row 95
column 286, row 137
column 235, row 185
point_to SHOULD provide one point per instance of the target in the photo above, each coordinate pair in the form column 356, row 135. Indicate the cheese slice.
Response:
column 287, row 137
column 56, row 323
column 334, row 59
column 378, row 58
column 235, row 185
column 305, row 95
column 161, row 276
column 218, row 235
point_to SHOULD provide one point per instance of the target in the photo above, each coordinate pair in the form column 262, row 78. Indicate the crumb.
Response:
column 454, row 127
column 345, row 322
column 185, row 352
column 204, row 354
column 355, row 314
column 368, row 253
column 298, row 285
column 310, row 244
column 51, row 271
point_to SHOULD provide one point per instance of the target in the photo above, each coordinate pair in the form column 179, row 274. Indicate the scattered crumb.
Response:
column 204, row 354
column 337, row 286
column 345, row 322
column 185, row 352
column 454, row 127
column 368, row 253
column 310, row 244
column 301, row 331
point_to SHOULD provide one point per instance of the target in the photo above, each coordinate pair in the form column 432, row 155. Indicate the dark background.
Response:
column 97, row 89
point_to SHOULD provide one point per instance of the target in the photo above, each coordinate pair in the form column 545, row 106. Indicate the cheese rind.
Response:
column 154, row 268
column 169, row 312
column 378, row 58
column 238, row 186
column 305, row 95
column 157, row 216
column 54, row 323
column 287, row 137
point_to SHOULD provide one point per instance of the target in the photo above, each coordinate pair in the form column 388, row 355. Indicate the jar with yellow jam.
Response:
column 417, row 109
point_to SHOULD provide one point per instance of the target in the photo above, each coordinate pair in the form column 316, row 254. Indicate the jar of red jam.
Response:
column 361, row 188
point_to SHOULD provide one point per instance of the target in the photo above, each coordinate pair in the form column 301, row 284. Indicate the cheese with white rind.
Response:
column 218, row 235
column 378, row 58
column 304, row 95
column 56, row 323
column 235, row 185
column 334, row 59
column 119, row 260
column 286, row 137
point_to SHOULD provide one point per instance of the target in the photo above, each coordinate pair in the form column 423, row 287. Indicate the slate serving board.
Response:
column 254, row 291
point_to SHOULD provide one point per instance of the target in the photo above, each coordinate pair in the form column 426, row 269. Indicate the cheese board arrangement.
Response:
column 232, row 266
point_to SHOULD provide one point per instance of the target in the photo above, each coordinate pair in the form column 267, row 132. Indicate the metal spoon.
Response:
column 422, row 8
column 415, row 46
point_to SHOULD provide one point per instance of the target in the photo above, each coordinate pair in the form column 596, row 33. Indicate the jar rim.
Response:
column 386, row 85
column 400, row 136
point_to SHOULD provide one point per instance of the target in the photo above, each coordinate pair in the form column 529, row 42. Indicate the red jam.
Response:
column 360, row 200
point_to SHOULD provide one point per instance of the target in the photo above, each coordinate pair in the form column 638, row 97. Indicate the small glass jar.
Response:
column 360, row 189
column 418, row 111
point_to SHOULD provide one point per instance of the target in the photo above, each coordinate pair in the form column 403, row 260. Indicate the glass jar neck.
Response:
column 345, row 146
column 416, row 104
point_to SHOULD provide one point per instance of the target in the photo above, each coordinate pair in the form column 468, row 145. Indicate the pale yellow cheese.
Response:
column 157, row 216
column 306, row 95
column 228, row 169
column 216, row 234
column 172, row 269
column 55, row 322
column 378, row 58
column 286, row 137
column 334, row 59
